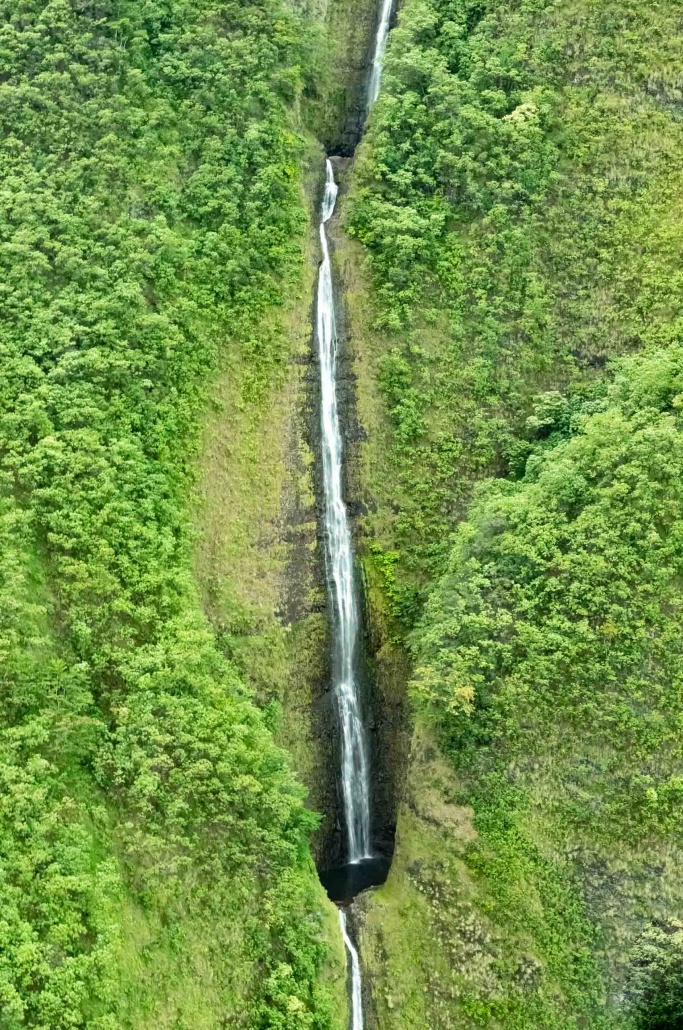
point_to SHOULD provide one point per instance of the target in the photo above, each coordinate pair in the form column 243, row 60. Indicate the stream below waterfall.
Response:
column 363, row 867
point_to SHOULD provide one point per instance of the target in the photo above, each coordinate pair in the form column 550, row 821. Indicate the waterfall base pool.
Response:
column 344, row 882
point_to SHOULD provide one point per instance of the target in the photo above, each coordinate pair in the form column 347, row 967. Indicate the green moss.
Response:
column 335, row 109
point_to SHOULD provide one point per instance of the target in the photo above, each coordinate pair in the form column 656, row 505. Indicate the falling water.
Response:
column 380, row 47
column 354, row 759
column 356, row 995
column 354, row 763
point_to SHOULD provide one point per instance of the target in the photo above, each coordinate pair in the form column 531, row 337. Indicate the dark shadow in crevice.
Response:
column 346, row 882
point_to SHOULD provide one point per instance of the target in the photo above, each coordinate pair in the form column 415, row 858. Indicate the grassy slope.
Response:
column 256, row 559
column 561, row 609
column 518, row 198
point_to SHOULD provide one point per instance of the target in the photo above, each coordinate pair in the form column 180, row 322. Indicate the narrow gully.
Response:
column 363, row 867
column 380, row 48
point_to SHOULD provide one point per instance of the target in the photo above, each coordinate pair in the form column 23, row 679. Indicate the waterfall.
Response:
column 355, row 777
column 356, row 996
column 380, row 47
column 354, row 760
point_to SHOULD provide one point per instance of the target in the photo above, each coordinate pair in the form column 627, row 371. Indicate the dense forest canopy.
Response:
column 519, row 193
column 150, row 212
column 519, row 199
column 550, row 655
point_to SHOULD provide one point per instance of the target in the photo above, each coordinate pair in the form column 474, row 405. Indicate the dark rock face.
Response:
column 351, row 136
column 330, row 838
column 324, row 796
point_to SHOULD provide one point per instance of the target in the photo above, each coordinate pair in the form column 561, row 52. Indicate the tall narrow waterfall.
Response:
column 380, row 47
column 355, row 776
column 354, row 759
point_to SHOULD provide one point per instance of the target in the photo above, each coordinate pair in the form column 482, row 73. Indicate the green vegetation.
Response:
column 257, row 562
column 517, row 205
column 155, row 861
column 518, row 199
column 551, row 656
column 519, row 195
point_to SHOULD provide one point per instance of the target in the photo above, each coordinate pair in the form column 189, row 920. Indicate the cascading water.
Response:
column 354, row 760
column 380, row 47
column 355, row 774
column 356, row 987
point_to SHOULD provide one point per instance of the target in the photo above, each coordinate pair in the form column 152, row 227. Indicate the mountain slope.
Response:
column 518, row 207
column 156, row 866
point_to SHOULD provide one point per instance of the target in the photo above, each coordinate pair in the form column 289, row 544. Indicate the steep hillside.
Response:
column 517, row 202
column 258, row 563
column 550, row 658
column 155, row 846
column 519, row 197
column 509, row 248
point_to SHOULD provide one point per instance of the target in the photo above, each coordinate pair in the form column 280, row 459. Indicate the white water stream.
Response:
column 354, row 759
column 380, row 48
column 356, row 996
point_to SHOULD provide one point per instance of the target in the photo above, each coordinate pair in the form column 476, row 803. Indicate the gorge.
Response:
column 355, row 772
column 341, row 545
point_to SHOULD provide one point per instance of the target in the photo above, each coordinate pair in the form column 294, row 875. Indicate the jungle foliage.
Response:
column 153, row 839
column 550, row 656
column 519, row 195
